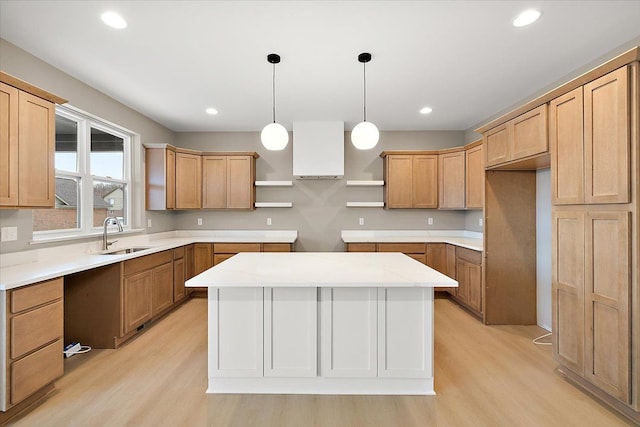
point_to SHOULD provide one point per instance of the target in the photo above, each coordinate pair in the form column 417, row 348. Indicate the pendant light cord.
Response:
column 364, row 90
column 274, row 92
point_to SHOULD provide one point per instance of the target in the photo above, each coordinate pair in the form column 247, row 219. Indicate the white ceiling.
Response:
column 176, row 58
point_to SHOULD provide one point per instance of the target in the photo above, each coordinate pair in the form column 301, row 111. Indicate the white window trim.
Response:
column 132, row 177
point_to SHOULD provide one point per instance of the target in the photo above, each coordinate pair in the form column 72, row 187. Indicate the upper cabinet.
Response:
column 474, row 176
column 589, row 130
column 451, row 179
column 519, row 138
column 411, row 179
column 27, row 144
column 186, row 179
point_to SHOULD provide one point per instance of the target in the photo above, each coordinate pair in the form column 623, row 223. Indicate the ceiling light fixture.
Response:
column 365, row 135
column 114, row 20
column 425, row 110
column 527, row 17
column 211, row 111
column 274, row 136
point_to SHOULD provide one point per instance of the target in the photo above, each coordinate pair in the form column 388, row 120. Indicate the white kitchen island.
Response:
column 321, row 323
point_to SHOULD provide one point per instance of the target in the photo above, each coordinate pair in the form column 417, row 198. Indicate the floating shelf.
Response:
column 365, row 204
column 274, row 204
column 274, row 183
column 364, row 183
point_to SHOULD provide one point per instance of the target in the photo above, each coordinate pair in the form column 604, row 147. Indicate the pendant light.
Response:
column 274, row 136
column 365, row 135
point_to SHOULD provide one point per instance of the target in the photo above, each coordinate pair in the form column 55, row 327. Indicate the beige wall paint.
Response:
column 319, row 211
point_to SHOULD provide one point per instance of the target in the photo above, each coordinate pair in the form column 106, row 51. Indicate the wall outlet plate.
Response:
column 199, row 221
column 8, row 234
column 430, row 221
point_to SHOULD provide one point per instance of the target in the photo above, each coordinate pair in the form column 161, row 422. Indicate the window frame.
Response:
column 131, row 145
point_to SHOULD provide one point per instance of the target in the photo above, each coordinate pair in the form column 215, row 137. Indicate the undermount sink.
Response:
column 126, row 250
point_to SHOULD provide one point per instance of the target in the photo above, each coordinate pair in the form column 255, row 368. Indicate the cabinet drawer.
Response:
column 144, row 263
column 361, row 247
column 276, row 247
column 469, row 255
column 178, row 252
column 234, row 248
column 419, row 257
column 35, row 295
column 35, row 328
column 407, row 248
column 217, row 259
column 33, row 372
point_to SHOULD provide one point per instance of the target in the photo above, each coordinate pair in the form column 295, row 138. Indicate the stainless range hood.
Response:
column 318, row 150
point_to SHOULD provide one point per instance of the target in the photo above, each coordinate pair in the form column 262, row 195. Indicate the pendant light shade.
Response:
column 274, row 136
column 365, row 135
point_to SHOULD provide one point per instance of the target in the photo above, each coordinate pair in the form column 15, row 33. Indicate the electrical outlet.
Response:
column 430, row 221
column 268, row 221
column 361, row 221
column 480, row 222
column 9, row 234
column 149, row 223
column 199, row 221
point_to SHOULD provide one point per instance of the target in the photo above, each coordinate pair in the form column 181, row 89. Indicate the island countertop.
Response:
column 321, row 269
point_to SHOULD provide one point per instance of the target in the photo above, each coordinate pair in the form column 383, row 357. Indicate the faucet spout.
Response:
column 110, row 220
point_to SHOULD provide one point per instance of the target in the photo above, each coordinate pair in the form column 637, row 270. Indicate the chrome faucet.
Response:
column 110, row 220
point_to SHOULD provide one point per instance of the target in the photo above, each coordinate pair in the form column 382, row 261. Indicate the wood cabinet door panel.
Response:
column 566, row 138
column 361, row 247
column 568, row 289
column 218, row 258
column 474, row 178
column 276, row 247
column 437, row 256
column 425, row 181
column 451, row 185
column 35, row 295
column 240, row 182
column 188, row 181
column 8, row 145
column 162, row 290
column 496, row 145
column 214, row 182
column 136, row 300
column 607, row 295
column 399, row 181
column 170, row 181
column 36, row 147
column 607, row 138
column 35, row 371
column 529, row 134
column 474, row 276
column 35, row 328
column 179, row 275
column 202, row 257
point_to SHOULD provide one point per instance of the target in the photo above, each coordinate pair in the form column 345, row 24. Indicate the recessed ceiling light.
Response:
column 114, row 20
column 211, row 111
column 425, row 110
column 527, row 17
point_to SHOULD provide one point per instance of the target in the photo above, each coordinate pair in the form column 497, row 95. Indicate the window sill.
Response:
column 62, row 238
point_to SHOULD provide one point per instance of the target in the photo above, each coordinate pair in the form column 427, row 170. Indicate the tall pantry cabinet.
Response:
column 594, row 138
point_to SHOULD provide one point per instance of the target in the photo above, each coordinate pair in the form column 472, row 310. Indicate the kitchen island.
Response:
column 320, row 323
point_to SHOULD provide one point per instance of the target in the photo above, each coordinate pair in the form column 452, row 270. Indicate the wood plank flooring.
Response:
column 485, row 376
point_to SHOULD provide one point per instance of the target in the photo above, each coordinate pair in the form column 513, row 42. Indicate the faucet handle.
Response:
column 111, row 243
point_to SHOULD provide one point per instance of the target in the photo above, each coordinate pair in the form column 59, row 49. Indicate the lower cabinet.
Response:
column 136, row 300
column 469, row 277
column 33, row 359
column 179, row 274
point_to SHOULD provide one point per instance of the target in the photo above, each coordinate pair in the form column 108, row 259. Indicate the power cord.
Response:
column 536, row 341
column 76, row 348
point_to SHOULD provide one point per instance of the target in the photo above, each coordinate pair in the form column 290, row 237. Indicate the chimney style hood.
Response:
column 318, row 150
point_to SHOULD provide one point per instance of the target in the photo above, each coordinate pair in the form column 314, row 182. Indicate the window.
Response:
column 93, row 176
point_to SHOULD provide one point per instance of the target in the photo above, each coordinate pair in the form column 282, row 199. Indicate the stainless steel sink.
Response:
column 126, row 250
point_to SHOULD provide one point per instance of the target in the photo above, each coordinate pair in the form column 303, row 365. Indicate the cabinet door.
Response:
column 529, row 134
column 240, row 184
column 162, row 290
column 399, row 181
column 425, row 181
column 349, row 332
column 202, row 257
column 136, row 296
column 451, row 267
column 474, row 277
column 451, row 175
column 188, row 181
column 179, row 275
column 290, row 332
column 437, row 256
column 567, row 271
column 462, row 276
column 496, row 145
column 607, row 138
column 214, row 182
column 405, row 337
column 474, row 178
column 170, row 179
column 8, row 145
column 36, row 168
column 567, row 148
column 236, row 316
column 607, row 294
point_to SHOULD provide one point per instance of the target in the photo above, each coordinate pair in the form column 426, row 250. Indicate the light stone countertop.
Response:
column 24, row 268
column 466, row 239
column 321, row 269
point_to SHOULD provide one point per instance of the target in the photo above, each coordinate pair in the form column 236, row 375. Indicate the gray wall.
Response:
column 319, row 211
column 31, row 69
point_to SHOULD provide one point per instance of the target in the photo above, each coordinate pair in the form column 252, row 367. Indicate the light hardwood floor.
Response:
column 485, row 376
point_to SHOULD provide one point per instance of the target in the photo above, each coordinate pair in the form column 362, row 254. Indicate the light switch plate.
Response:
column 9, row 234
